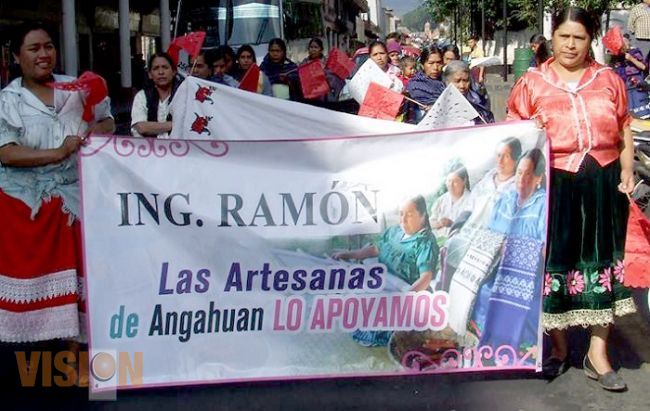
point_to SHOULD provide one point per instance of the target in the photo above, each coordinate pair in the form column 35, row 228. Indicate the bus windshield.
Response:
column 232, row 22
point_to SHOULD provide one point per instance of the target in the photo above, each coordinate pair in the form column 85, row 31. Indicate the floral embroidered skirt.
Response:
column 40, row 266
column 583, row 284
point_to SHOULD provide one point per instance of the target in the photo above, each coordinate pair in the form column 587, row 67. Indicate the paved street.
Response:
column 503, row 391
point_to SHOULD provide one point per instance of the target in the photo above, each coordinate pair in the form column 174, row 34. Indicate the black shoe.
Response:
column 553, row 367
column 609, row 381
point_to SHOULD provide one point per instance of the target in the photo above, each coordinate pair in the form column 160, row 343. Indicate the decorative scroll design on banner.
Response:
column 469, row 358
column 145, row 147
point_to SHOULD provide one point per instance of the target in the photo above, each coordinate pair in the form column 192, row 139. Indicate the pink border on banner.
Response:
column 158, row 149
column 314, row 377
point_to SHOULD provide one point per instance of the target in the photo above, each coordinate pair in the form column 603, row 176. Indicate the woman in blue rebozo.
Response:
column 408, row 250
column 282, row 72
column 508, row 305
column 426, row 86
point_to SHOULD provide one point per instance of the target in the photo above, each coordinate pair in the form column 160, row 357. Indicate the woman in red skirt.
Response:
column 40, row 258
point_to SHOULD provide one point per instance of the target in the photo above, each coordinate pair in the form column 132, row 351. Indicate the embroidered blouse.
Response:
column 586, row 120
column 408, row 257
column 525, row 221
column 26, row 121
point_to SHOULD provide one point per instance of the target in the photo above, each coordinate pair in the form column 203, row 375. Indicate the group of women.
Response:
column 437, row 69
column 581, row 104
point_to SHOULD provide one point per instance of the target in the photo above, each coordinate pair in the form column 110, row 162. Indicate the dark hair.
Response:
column 318, row 42
column 474, row 37
column 421, row 207
column 537, row 157
column 279, row 42
column 20, row 32
column 227, row 51
column 243, row 48
column 207, row 56
column 453, row 49
column 150, row 92
column 161, row 54
column 515, row 147
column 216, row 55
column 376, row 43
column 460, row 170
column 541, row 54
column 394, row 35
column 429, row 50
column 590, row 22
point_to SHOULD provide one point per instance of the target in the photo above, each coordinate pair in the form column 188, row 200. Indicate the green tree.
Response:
column 521, row 13
column 415, row 19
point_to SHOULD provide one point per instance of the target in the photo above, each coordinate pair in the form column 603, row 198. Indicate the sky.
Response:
column 401, row 6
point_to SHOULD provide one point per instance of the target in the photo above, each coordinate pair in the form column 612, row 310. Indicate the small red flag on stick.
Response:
column 339, row 63
column 637, row 249
column 191, row 43
column 381, row 102
column 313, row 80
column 613, row 40
column 251, row 79
column 94, row 90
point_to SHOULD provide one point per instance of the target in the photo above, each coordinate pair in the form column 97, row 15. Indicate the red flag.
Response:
column 613, row 40
column 381, row 102
column 312, row 80
column 251, row 79
column 339, row 63
column 191, row 42
column 93, row 87
column 637, row 249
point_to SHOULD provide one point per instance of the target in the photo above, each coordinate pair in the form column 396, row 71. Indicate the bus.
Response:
column 254, row 22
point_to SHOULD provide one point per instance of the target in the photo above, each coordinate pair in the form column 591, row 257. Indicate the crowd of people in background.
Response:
column 421, row 74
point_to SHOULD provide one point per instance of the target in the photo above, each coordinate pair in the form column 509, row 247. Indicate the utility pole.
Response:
column 540, row 17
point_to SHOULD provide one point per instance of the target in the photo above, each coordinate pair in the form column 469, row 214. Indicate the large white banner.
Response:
column 214, row 259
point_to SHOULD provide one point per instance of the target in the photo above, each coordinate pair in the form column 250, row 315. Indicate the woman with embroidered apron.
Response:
column 583, row 107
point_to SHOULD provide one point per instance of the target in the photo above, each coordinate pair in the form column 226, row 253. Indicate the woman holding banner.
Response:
column 408, row 250
column 41, row 129
column 583, row 106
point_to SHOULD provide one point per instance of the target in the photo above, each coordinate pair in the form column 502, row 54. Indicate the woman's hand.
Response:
column 342, row 255
column 70, row 145
column 627, row 181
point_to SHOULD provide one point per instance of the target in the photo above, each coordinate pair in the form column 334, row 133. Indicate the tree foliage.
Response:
column 521, row 13
column 415, row 19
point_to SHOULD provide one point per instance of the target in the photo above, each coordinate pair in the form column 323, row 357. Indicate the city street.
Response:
column 500, row 391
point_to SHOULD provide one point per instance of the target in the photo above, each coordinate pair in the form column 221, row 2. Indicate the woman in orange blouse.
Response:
column 583, row 107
